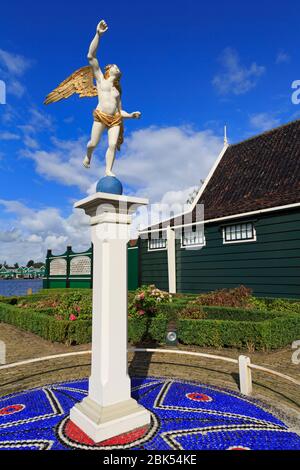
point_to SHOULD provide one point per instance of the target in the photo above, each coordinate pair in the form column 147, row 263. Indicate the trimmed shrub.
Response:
column 267, row 334
column 137, row 329
column 45, row 326
column 222, row 327
column 75, row 332
column 236, row 297
column 157, row 328
column 195, row 312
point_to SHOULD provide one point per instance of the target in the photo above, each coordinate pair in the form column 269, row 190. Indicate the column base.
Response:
column 101, row 423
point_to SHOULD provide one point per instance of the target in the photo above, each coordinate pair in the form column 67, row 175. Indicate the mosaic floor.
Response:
column 185, row 415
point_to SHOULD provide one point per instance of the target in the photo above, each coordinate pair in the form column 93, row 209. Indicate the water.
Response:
column 11, row 287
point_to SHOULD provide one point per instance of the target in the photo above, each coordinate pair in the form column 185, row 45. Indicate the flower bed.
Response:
column 66, row 316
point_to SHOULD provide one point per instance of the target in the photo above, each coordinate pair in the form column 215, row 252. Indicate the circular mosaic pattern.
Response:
column 11, row 409
column 198, row 397
column 185, row 415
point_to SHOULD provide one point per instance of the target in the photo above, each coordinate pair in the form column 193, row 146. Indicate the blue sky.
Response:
column 189, row 67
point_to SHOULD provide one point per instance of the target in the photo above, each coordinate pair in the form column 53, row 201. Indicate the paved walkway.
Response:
column 282, row 395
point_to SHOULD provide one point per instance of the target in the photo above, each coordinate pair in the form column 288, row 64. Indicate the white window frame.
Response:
column 241, row 240
column 195, row 245
column 157, row 249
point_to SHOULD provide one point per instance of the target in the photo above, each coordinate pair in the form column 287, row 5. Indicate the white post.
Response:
column 109, row 410
column 171, row 249
column 245, row 375
column 2, row 352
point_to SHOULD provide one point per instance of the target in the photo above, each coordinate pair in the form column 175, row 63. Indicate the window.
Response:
column 192, row 237
column 157, row 244
column 239, row 233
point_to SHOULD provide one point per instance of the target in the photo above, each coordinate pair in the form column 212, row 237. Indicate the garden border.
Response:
column 245, row 366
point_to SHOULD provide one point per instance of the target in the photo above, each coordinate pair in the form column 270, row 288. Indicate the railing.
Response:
column 244, row 363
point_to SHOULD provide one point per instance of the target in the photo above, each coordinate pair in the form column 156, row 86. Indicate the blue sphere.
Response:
column 109, row 184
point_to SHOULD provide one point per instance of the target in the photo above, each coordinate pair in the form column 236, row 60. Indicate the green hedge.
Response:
column 223, row 313
column 265, row 330
column 45, row 326
column 75, row 332
column 268, row 334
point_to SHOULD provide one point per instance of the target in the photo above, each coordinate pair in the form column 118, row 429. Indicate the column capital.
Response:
column 100, row 203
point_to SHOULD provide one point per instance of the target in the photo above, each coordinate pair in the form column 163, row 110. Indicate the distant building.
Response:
column 21, row 272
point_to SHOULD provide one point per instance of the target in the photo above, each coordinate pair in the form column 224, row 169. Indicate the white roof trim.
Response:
column 228, row 217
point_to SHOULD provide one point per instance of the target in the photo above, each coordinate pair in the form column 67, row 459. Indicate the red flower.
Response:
column 72, row 317
column 141, row 312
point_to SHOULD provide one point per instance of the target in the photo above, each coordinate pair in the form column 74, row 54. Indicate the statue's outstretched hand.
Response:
column 102, row 27
column 136, row 115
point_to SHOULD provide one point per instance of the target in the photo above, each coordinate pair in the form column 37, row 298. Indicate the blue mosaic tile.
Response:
column 185, row 415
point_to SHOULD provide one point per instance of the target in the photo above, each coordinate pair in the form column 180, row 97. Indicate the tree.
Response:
column 38, row 265
column 16, row 265
column 30, row 263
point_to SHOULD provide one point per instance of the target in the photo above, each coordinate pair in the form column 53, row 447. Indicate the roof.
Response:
column 259, row 173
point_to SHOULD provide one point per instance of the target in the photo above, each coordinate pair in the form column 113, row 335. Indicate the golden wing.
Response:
column 80, row 82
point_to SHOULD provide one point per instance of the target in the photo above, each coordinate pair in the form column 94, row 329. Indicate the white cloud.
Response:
column 153, row 161
column 236, row 78
column 36, row 122
column 64, row 164
column 157, row 161
column 12, row 68
column 33, row 238
column 15, row 88
column 14, row 63
column 282, row 57
column 264, row 121
column 6, row 135
column 8, row 236
column 30, row 142
column 39, row 230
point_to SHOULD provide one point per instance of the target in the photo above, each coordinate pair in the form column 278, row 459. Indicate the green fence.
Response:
column 75, row 270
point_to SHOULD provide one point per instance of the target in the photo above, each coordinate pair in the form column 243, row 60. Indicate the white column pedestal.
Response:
column 109, row 410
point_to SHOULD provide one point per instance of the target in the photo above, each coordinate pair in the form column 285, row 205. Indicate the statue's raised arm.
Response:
column 92, row 53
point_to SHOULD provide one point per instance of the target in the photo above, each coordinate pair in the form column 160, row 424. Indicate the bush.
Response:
column 237, row 297
column 278, row 305
column 46, row 326
column 137, row 329
column 79, row 331
column 193, row 311
column 271, row 333
column 146, row 301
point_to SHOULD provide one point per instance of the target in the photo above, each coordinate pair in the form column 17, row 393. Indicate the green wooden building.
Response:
column 242, row 228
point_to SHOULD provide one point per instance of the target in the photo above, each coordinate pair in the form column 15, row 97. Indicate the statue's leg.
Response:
column 97, row 130
column 113, row 135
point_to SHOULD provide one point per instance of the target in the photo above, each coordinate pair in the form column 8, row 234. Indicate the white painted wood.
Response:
column 227, row 217
column 109, row 410
column 2, row 352
column 171, row 251
column 245, row 375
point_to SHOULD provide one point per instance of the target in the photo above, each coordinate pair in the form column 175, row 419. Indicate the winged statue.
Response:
column 90, row 81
